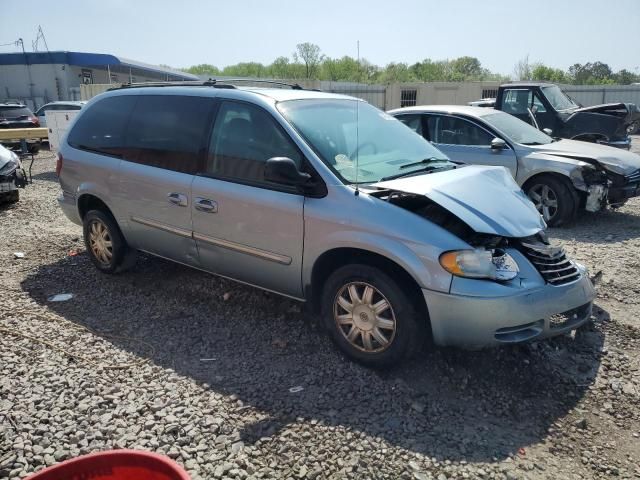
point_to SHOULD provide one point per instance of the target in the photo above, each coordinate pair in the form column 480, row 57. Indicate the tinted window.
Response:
column 101, row 128
column 14, row 112
column 456, row 131
column 414, row 122
column 169, row 131
column 244, row 138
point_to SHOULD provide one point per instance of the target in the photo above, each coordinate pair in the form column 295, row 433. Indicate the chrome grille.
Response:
column 633, row 176
column 551, row 262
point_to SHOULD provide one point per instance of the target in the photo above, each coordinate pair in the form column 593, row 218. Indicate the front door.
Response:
column 166, row 142
column 245, row 227
column 464, row 141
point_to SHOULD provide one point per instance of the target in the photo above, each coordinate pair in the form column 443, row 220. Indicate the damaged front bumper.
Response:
column 608, row 189
column 508, row 314
column 474, row 323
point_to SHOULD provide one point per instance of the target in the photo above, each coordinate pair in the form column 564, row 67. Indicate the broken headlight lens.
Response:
column 493, row 264
column 8, row 167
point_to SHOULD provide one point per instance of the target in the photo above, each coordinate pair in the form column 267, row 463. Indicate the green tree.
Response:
column 310, row 55
column 549, row 74
column 396, row 72
column 466, row 68
column 203, row 69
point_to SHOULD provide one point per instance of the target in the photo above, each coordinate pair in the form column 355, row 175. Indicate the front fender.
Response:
column 589, row 123
column 537, row 164
column 419, row 260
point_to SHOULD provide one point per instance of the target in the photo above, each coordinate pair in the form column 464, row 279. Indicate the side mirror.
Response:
column 548, row 131
column 283, row 170
column 498, row 144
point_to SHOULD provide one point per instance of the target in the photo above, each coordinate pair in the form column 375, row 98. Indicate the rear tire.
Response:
column 370, row 316
column 553, row 198
column 105, row 244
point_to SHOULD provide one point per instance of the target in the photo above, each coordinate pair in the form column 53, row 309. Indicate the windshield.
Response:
column 516, row 130
column 557, row 98
column 346, row 132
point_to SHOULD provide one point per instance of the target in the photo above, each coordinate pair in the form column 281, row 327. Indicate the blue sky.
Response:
column 187, row 32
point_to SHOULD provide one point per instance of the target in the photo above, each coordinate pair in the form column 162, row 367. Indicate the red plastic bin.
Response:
column 114, row 465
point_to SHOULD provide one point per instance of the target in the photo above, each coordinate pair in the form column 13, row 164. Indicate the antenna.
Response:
column 357, row 192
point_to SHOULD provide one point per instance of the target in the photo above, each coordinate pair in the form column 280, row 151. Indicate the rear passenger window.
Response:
column 169, row 131
column 244, row 138
column 101, row 128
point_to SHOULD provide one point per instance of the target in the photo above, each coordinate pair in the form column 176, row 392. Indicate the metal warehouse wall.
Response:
column 589, row 95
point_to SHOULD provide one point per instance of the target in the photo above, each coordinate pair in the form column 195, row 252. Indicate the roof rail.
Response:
column 212, row 82
column 293, row 86
column 179, row 83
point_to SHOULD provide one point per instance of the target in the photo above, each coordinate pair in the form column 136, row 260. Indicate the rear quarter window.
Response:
column 102, row 126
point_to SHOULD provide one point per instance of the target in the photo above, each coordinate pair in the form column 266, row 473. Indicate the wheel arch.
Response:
column 332, row 259
column 90, row 201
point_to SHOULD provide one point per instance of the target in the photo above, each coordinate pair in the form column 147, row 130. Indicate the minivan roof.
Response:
column 276, row 94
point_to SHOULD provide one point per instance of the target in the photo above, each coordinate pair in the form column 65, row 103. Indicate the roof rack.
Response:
column 212, row 82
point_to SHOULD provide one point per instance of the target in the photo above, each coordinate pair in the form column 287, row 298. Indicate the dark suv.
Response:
column 17, row 115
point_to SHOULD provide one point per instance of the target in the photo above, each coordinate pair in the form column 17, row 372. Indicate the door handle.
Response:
column 179, row 199
column 206, row 205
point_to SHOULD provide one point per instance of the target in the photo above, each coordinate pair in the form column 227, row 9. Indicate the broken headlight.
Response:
column 493, row 264
column 8, row 168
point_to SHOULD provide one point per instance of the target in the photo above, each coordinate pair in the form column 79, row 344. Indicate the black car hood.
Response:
column 627, row 111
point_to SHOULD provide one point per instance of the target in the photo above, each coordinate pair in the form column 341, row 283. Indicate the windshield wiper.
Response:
column 429, row 168
column 423, row 161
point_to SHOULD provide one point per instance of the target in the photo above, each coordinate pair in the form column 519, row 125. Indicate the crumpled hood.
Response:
column 618, row 160
column 485, row 198
column 612, row 109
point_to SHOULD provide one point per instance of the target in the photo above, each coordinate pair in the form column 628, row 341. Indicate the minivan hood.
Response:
column 485, row 198
column 619, row 160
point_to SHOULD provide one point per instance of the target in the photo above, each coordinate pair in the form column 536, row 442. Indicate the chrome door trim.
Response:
column 161, row 226
column 238, row 247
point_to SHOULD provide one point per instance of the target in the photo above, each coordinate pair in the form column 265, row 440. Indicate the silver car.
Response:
column 327, row 200
column 560, row 176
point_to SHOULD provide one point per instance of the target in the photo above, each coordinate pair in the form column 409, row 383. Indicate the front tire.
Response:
column 12, row 197
column 105, row 244
column 553, row 198
column 370, row 316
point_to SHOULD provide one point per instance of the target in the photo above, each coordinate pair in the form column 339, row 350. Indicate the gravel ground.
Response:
column 172, row 360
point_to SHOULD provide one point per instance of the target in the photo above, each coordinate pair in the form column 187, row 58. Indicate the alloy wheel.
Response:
column 100, row 242
column 365, row 317
column 545, row 200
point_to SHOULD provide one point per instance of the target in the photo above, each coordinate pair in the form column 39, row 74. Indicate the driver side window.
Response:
column 456, row 131
column 244, row 137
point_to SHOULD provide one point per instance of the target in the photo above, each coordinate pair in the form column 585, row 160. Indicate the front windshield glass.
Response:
column 346, row 133
column 516, row 130
column 557, row 98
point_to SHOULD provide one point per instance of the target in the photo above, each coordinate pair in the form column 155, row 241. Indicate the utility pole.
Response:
column 26, row 62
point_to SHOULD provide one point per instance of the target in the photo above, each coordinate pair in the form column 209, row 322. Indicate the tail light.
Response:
column 59, row 164
column 35, row 120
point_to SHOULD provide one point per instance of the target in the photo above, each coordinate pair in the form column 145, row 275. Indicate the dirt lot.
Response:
column 173, row 360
